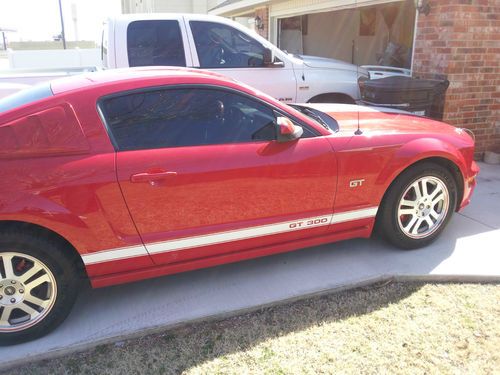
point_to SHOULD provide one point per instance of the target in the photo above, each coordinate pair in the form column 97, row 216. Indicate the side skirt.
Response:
column 172, row 268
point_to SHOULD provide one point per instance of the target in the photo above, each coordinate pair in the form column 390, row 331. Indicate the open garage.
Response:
column 380, row 34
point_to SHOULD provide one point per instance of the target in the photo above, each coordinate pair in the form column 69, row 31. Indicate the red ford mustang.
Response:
column 125, row 175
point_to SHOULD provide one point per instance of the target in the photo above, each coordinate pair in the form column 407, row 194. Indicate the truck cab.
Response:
column 226, row 47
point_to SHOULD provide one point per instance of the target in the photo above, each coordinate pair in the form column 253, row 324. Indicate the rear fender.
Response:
column 54, row 217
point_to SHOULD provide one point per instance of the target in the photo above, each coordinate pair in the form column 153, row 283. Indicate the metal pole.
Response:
column 62, row 25
column 4, row 41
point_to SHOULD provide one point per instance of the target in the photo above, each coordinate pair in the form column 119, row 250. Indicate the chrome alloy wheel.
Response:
column 423, row 207
column 28, row 291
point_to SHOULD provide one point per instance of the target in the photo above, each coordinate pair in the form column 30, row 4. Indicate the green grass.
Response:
column 397, row 328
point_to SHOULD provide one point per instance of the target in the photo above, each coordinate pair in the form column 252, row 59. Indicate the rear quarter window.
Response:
column 25, row 96
column 155, row 42
column 52, row 131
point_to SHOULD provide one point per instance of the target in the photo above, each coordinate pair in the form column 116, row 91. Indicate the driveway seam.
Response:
column 477, row 221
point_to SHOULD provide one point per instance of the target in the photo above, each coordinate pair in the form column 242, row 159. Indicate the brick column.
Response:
column 460, row 40
column 263, row 13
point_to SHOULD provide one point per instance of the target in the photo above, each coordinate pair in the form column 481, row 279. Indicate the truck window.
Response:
column 222, row 46
column 155, row 42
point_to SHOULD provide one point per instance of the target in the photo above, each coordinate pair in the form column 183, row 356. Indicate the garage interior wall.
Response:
column 334, row 34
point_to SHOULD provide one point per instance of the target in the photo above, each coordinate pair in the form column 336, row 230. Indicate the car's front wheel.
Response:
column 418, row 205
column 38, row 286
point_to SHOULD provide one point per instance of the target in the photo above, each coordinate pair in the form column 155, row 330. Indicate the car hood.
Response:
column 326, row 63
column 378, row 120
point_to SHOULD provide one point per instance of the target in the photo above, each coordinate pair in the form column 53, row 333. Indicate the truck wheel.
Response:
column 418, row 206
column 38, row 286
column 333, row 98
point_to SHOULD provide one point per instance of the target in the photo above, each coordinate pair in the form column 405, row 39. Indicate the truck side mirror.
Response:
column 287, row 130
column 269, row 60
column 268, row 56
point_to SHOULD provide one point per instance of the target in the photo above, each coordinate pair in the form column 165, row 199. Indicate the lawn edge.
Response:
column 77, row 348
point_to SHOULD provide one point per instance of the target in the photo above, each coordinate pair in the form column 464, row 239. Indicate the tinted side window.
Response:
column 155, row 43
column 186, row 117
column 222, row 46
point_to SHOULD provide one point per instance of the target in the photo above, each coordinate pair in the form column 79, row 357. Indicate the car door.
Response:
column 203, row 175
column 227, row 50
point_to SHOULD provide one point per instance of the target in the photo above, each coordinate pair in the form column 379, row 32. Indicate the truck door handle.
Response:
column 151, row 177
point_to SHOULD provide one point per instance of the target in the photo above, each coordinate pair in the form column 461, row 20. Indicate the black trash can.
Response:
column 409, row 94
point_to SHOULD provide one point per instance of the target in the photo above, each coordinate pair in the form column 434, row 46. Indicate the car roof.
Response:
column 87, row 80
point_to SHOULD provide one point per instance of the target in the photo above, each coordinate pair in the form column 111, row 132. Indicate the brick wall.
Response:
column 460, row 40
column 263, row 13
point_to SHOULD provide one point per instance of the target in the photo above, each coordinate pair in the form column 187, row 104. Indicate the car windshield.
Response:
column 25, row 96
column 321, row 118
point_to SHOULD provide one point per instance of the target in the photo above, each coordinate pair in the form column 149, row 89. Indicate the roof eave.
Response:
column 238, row 7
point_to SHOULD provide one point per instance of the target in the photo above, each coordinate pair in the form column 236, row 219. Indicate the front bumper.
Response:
column 469, row 184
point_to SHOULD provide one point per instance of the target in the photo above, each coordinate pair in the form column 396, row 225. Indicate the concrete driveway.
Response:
column 468, row 250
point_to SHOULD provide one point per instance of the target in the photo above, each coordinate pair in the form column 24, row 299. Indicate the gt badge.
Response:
column 356, row 183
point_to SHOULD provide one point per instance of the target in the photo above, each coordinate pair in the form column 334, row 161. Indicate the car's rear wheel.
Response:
column 418, row 206
column 38, row 286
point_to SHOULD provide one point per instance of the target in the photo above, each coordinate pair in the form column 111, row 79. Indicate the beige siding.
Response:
column 295, row 7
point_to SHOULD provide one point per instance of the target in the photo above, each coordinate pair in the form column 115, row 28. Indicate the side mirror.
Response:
column 269, row 60
column 287, row 130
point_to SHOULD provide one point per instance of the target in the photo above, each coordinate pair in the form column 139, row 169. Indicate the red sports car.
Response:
column 118, row 176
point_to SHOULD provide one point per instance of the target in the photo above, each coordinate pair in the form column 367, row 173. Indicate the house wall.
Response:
column 459, row 40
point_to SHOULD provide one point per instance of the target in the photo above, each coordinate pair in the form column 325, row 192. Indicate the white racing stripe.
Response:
column 239, row 234
column 227, row 236
column 114, row 254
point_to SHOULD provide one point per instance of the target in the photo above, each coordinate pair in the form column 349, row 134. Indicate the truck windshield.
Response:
column 25, row 96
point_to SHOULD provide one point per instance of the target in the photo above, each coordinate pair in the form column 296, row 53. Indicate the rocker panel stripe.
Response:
column 227, row 236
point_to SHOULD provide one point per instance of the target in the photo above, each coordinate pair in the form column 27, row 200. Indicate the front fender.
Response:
column 417, row 150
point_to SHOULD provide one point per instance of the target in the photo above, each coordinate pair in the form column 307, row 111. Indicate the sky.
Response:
column 39, row 19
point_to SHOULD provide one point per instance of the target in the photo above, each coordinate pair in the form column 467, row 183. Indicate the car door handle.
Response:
column 153, row 176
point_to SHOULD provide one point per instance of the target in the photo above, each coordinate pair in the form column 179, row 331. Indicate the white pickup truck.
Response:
column 226, row 47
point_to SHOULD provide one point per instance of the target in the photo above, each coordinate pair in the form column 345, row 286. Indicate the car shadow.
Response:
column 180, row 298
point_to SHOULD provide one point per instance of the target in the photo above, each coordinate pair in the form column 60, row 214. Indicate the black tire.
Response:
column 54, row 256
column 333, row 98
column 389, row 224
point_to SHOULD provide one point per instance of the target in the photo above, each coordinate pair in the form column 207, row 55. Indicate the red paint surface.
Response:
column 59, row 170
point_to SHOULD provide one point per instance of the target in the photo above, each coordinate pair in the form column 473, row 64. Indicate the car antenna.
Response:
column 354, row 50
column 358, row 130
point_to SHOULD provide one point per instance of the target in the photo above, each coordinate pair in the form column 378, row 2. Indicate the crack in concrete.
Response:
column 477, row 221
